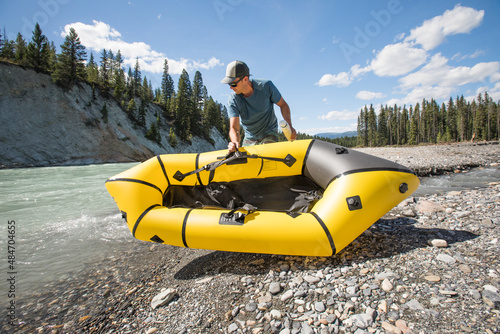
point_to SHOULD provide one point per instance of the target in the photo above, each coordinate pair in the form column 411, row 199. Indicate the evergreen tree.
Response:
column 197, row 105
column 92, row 71
column 372, row 127
column 129, row 93
column 136, row 78
column 20, row 49
column 70, row 67
column 38, row 51
column 382, row 127
column 167, row 88
column 118, row 78
column 172, row 139
column 104, row 78
column 183, row 107
column 7, row 49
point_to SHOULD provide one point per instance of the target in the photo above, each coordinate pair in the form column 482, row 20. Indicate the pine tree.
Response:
column 92, row 71
column 167, row 88
column 136, row 78
column 183, row 107
column 119, row 81
column 38, row 51
column 372, row 127
column 7, row 49
column 382, row 127
column 20, row 49
column 104, row 78
column 197, row 105
column 70, row 67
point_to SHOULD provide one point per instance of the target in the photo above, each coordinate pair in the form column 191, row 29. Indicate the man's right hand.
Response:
column 232, row 147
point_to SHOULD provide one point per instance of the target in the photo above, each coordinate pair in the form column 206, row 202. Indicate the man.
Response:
column 252, row 104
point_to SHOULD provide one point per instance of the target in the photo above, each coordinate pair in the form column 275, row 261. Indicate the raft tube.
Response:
column 356, row 190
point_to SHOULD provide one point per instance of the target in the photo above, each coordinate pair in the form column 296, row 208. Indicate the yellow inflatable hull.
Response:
column 358, row 189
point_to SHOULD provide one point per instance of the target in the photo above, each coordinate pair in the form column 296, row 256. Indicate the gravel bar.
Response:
column 431, row 265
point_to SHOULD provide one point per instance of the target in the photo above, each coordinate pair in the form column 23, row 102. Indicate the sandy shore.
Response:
column 389, row 280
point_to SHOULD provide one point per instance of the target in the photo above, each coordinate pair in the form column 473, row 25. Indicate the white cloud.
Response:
column 344, row 115
column 100, row 35
column 367, row 95
column 398, row 59
column 458, row 56
column 438, row 72
column 343, row 79
column 456, row 21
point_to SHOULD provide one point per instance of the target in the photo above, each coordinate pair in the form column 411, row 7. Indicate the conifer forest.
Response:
column 189, row 110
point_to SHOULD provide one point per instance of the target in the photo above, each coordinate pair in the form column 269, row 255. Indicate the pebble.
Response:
column 163, row 298
column 387, row 285
column 439, row 243
column 274, row 288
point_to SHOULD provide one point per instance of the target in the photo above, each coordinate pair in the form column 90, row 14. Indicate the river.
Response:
column 65, row 219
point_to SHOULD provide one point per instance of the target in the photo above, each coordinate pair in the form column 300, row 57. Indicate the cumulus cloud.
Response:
column 367, row 95
column 438, row 72
column 398, row 59
column 342, row 79
column 99, row 36
column 433, row 32
column 344, row 115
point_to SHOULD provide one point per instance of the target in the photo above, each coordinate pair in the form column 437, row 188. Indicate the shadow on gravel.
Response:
column 385, row 238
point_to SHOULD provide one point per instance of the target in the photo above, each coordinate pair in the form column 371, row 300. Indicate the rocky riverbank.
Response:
column 430, row 265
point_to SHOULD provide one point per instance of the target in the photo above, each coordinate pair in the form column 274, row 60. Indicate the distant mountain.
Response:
column 333, row 135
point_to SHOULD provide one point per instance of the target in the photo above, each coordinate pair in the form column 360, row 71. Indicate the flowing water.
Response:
column 65, row 219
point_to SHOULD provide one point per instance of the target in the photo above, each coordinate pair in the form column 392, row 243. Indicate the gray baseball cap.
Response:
column 235, row 70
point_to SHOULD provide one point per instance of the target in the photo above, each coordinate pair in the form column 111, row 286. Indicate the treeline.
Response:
column 427, row 122
column 189, row 110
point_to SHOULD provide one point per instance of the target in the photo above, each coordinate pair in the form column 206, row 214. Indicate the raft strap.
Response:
column 234, row 217
column 289, row 160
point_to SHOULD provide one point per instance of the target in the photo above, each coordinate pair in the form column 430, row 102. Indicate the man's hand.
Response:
column 232, row 147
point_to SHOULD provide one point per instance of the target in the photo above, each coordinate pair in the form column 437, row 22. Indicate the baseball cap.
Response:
column 235, row 70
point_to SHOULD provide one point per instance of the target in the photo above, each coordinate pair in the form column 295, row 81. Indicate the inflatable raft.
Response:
column 306, row 197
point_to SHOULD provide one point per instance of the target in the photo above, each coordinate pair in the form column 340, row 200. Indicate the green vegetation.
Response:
column 429, row 123
column 188, row 112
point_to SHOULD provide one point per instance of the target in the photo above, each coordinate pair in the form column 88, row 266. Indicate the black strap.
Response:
column 289, row 160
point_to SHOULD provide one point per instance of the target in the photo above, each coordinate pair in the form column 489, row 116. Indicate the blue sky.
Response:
column 328, row 58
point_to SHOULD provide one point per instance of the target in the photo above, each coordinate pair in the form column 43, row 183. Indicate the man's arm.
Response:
column 285, row 112
column 234, row 134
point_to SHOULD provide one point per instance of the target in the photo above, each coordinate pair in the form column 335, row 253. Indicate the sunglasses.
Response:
column 235, row 83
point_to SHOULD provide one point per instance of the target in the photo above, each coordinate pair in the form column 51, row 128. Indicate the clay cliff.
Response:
column 43, row 125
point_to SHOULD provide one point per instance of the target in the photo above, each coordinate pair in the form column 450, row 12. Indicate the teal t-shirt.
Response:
column 256, row 112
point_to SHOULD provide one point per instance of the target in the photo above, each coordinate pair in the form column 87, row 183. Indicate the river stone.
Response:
column 446, row 258
column 415, row 305
column 432, row 278
column 428, row 207
column 287, row 295
column 312, row 279
column 386, row 285
column 491, row 298
column 439, row 243
column 274, row 288
column 390, row 328
column 361, row 320
column 163, row 298
column 319, row 307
